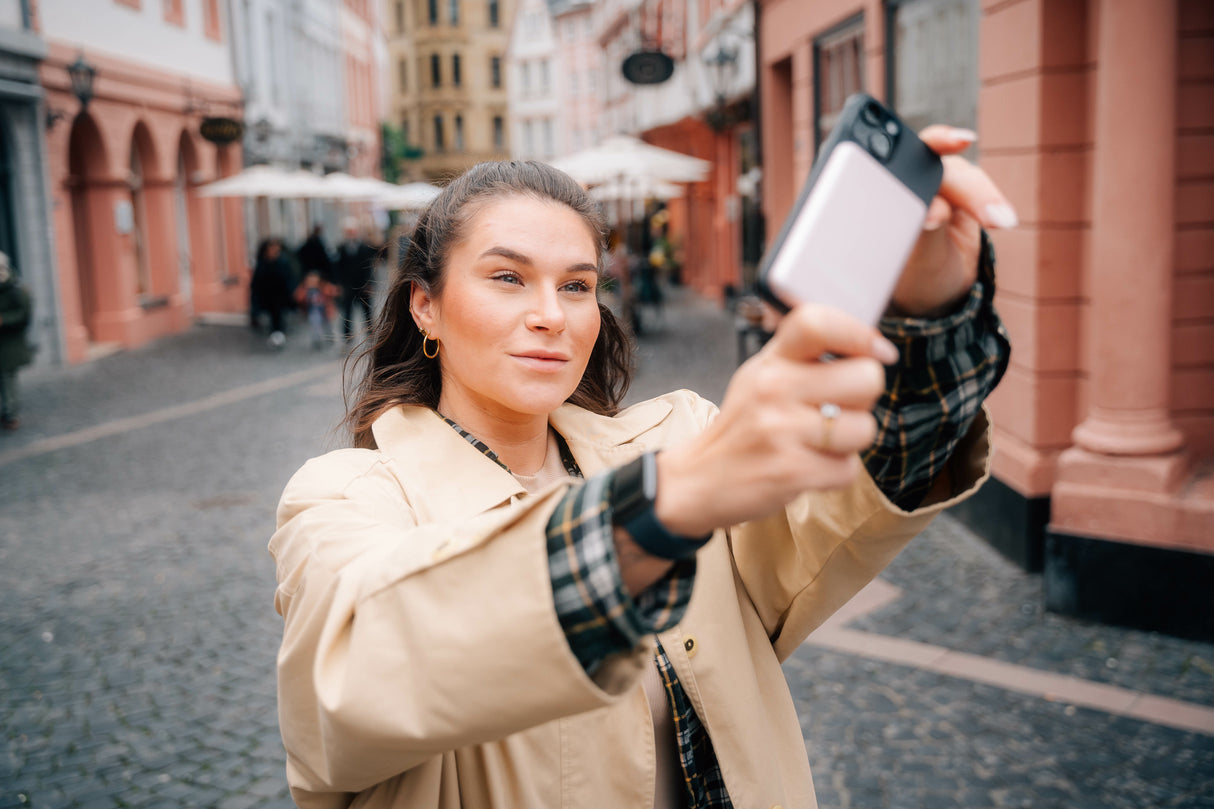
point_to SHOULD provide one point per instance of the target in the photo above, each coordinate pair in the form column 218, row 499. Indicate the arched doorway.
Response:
column 86, row 171
column 142, row 166
column 187, row 165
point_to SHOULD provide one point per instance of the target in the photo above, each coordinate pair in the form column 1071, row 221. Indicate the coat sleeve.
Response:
column 402, row 641
column 802, row 564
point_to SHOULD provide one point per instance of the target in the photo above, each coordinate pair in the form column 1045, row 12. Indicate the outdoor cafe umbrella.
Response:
column 266, row 181
column 628, row 190
column 407, row 197
column 623, row 157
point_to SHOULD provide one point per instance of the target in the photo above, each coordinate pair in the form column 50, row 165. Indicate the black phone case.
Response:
column 911, row 161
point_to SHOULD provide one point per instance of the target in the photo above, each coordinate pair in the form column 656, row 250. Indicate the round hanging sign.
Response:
column 648, row 67
column 221, row 130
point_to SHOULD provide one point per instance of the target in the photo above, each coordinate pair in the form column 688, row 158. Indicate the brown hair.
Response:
column 397, row 373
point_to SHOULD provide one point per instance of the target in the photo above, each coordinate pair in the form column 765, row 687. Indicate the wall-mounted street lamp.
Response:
column 82, row 74
column 722, row 67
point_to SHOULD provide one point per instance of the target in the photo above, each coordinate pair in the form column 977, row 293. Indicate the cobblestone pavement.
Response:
column 138, row 630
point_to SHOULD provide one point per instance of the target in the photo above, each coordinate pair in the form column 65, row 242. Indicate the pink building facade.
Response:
column 139, row 253
column 1095, row 116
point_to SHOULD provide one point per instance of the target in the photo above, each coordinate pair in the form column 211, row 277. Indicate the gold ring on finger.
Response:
column 830, row 412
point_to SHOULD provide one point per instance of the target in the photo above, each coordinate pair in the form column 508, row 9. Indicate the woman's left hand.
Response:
column 944, row 262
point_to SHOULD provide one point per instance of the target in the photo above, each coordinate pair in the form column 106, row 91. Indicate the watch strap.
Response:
column 633, row 494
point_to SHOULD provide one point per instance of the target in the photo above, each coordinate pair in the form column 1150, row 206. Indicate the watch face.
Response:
column 649, row 476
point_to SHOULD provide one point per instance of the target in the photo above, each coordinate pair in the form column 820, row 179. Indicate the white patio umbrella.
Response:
column 255, row 181
column 407, row 197
column 634, row 189
column 623, row 157
column 340, row 185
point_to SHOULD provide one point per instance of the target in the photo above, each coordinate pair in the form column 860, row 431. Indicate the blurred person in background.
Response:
column 313, row 255
column 15, row 308
column 355, row 272
column 272, row 287
column 316, row 298
column 512, row 593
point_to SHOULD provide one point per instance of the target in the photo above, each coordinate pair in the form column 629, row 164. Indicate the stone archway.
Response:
column 89, row 198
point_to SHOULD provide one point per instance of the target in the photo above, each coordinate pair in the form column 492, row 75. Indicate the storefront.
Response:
column 139, row 253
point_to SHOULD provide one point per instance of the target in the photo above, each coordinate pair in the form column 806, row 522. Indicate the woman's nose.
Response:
column 546, row 313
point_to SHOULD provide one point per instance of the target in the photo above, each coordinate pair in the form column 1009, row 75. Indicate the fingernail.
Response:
column 967, row 135
column 885, row 351
column 1000, row 215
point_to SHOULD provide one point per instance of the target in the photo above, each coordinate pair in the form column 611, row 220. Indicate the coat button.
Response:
column 689, row 646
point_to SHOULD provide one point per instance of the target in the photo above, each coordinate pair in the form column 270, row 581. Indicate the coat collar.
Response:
column 452, row 478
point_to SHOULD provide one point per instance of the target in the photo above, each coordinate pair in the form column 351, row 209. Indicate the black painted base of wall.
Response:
column 1137, row 586
column 1012, row 523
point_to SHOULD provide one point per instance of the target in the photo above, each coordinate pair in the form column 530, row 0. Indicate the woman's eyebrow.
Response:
column 506, row 252
column 519, row 258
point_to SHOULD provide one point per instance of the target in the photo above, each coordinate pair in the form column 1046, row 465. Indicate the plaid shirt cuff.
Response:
column 598, row 615
column 949, row 366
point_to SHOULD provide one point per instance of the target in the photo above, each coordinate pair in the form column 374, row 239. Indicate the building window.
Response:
column 174, row 12
column 494, row 14
column 525, row 78
column 453, row 12
column 402, row 74
column 528, row 139
column 838, row 72
column 432, row 11
column 459, row 133
column 404, row 129
column 440, row 144
column 211, row 24
column 927, row 85
column 499, row 133
column 455, row 70
column 436, row 70
column 544, row 78
column 495, row 71
column 549, row 142
column 400, row 16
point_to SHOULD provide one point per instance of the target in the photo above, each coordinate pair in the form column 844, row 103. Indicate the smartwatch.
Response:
column 634, row 490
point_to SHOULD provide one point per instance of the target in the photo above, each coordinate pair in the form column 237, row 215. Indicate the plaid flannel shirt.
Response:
column 948, row 368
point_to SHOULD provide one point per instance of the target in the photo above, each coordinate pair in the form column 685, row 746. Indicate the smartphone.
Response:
column 848, row 237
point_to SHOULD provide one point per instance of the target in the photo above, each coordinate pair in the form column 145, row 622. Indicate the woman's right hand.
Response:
column 772, row 439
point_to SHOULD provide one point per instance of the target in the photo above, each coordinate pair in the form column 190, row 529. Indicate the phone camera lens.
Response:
column 880, row 145
column 871, row 114
column 891, row 127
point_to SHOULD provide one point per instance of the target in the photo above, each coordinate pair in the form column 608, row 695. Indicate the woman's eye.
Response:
column 576, row 286
column 508, row 277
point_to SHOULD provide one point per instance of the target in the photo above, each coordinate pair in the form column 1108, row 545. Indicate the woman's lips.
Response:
column 542, row 361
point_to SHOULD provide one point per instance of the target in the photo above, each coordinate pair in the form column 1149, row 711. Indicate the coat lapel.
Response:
column 449, row 478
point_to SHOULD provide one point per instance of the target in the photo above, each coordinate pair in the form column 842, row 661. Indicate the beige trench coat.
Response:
column 422, row 663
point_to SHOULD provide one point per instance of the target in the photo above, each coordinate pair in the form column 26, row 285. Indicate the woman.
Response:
column 501, row 597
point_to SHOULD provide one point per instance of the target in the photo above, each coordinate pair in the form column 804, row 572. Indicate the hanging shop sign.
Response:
column 648, row 67
column 221, row 131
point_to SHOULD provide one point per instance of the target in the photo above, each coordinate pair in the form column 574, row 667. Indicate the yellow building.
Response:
column 448, row 86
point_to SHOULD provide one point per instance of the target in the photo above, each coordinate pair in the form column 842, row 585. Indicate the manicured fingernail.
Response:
column 933, row 223
column 967, row 135
column 885, row 351
column 1000, row 215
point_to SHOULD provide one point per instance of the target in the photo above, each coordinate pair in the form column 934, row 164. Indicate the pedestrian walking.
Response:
column 15, row 308
column 355, row 270
column 272, row 288
column 313, row 255
column 511, row 593
column 315, row 297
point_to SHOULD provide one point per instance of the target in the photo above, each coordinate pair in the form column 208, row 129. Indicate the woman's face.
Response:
column 517, row 317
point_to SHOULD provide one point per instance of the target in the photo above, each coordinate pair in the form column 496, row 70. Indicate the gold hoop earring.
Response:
column 437, row 345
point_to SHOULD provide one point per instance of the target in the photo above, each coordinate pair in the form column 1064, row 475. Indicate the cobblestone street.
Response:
column 139, row 634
